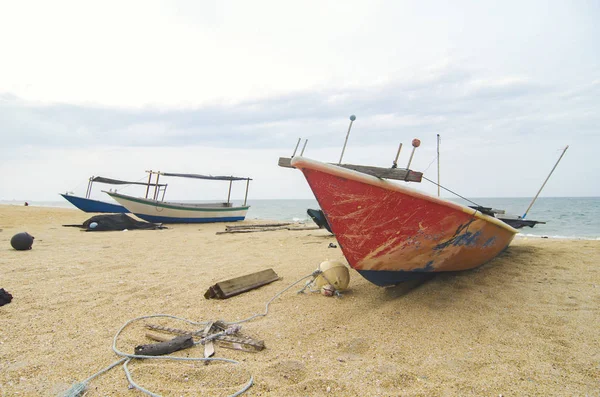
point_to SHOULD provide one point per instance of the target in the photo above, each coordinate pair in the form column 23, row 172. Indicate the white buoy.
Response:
column 335, row 274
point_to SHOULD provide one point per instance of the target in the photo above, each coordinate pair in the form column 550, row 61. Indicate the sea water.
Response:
column 565, row 217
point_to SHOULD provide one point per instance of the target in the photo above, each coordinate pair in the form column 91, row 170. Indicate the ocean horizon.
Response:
column 565, row 217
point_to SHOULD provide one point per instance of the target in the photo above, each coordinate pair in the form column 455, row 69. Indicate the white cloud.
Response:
column 109, row 86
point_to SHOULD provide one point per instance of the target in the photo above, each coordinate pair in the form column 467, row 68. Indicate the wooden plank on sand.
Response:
column 228, row 288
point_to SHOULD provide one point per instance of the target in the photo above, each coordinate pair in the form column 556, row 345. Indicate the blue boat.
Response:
column 91, row 205
column 86, row 204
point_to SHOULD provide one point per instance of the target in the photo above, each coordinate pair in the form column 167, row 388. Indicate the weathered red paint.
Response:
column 382, row 225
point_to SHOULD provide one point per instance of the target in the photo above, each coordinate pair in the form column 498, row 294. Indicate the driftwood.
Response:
column 380, row 172
column 235, row 286
column 167, row 347
column 255, row 229
column 235, row 227
column 236, row 342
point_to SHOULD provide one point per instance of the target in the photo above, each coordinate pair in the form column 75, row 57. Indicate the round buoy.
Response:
column 93, row 225
column 334, row 274
column 416, row 142
column 22, row 241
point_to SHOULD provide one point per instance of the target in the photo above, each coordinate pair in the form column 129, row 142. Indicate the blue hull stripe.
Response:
column 165, row 219
column 384, row 278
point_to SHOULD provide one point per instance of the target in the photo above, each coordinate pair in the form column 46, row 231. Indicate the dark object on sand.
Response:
column 158, row 349
column 518, row 223
column 235, row 286
column 5, row 297
column 22, row 241
column 113, row 222
column 319, row 218
column 512, row 220
column 332, row 245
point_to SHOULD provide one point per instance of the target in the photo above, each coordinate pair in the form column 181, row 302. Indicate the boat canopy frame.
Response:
column 231, row 179
column 111, row 181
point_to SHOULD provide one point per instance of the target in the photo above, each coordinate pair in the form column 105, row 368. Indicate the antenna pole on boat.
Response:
column 438, row 163
column 544, row 184
column 89, row 189
column 149, row 181
column 304, row 147
column 297, row 144
column 415, row 143
column 229, row 193
column 247, row 186
column 395, row 163
column 352, row 118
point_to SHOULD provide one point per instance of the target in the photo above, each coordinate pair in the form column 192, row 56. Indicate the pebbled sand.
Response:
column 528, row 323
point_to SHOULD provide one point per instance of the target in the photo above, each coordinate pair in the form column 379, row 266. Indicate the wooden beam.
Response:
column 379, row 172
column 235, row 286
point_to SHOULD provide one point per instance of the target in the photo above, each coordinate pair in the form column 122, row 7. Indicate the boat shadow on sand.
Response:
column 510, row 264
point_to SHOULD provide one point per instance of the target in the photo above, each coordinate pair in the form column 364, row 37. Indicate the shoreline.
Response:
column 524, row 324
column 305, row 220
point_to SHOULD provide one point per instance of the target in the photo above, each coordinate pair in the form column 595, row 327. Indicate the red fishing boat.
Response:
column 391, row 233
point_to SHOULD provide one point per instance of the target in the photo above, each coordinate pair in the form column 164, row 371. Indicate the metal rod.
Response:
column 411, row 157
column 544, row 184
column 415, row 143
column 247, row 186
column 149, row 181
column 164, row 192
column 229, row 194
column 395, row 163
column 89, row 188
column 352, row 118
column 297, row 144
column 438, row 163
column 304, row 147
column 156, row 186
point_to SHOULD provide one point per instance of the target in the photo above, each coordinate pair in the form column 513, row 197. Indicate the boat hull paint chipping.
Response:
column 169, row 212
column 388, row 231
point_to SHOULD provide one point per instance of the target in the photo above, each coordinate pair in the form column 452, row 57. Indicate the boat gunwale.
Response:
column 303, row 162
column 175, row 205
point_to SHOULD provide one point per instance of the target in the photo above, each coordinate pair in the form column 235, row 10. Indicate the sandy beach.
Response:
column 525, row 324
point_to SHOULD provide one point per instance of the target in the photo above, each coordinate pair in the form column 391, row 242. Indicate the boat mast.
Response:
column 303, row 147
column 89, row 189
column 247, row 186
column 352, row 118
column 415, row 143
column 296, row 148
column 156, row 186
column 544, row 184
column 229, row 193
column 395, row 163
column 438, row 163
column 149, row 181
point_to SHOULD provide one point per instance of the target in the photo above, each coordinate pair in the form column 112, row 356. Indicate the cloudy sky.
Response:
column 114, row 88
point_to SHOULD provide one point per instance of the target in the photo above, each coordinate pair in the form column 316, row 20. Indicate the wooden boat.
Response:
column 390, row 233
column 159, row 211
column 86, row 204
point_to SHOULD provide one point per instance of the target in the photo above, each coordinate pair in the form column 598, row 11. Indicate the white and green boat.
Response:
column 160, row 211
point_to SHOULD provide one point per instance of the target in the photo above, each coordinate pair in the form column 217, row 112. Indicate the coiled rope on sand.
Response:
column 79, row 388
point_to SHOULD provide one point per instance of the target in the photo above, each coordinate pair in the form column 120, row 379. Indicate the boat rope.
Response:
column 79, row 388
column 425, row 170
column 448, row 190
